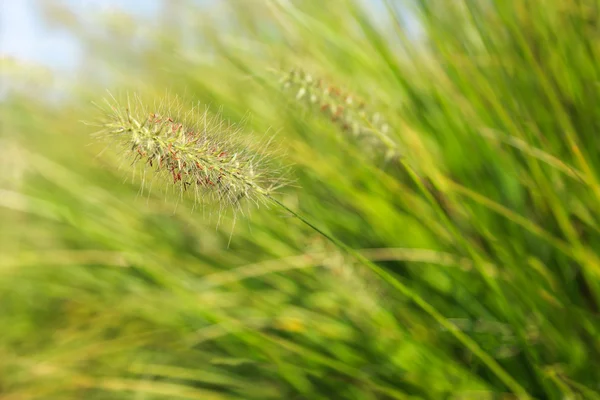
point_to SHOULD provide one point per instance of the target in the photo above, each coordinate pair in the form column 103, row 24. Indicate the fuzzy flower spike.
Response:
column 195, row 151
column 344, row 109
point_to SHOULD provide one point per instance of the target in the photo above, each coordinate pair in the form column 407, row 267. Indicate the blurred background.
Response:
column 452, row 143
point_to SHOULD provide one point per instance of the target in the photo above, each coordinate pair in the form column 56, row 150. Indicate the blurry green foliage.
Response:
column 491, row 212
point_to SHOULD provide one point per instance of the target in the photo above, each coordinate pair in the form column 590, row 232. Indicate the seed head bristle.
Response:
column 196, row 151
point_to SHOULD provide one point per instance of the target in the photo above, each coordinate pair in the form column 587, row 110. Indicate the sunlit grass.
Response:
column 486, row 213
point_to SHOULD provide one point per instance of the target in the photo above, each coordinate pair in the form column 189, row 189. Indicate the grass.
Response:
column 464, row 263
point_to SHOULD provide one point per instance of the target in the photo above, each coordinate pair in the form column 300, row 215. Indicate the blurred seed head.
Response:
column 344, row 109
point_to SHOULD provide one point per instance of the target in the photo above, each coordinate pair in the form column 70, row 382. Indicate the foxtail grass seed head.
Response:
column 346, row 110
column 195, row 151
